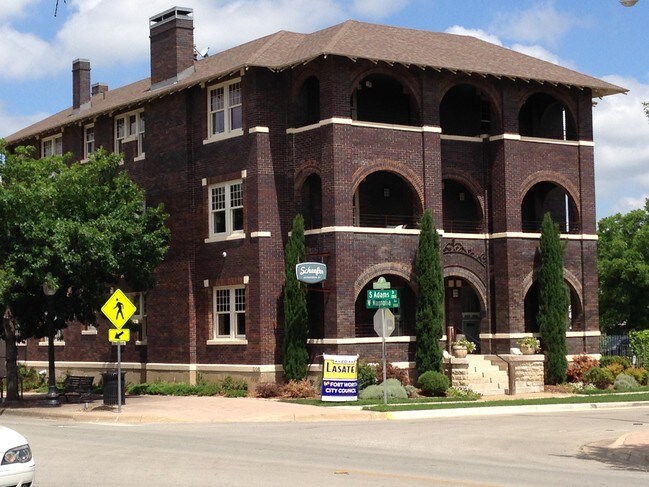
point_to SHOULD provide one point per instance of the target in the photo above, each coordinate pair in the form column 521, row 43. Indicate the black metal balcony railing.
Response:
column 463, row 226
column 366, row 330
column 386, row 221
column 534, row 226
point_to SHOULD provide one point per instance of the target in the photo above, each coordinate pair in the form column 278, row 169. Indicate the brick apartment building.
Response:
column 359, row 127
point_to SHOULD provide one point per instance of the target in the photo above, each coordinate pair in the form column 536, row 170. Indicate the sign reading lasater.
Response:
column 311, row 272
column 340, row 378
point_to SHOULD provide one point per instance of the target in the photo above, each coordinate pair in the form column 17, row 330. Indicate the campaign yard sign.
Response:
column 340, row 378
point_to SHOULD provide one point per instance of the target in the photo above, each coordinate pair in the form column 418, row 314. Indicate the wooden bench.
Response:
column 80, row 385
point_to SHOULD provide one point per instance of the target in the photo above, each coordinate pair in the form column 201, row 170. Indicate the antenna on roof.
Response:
column 202, row 53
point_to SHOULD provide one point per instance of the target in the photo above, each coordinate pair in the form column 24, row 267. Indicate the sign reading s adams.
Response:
column 311, row 272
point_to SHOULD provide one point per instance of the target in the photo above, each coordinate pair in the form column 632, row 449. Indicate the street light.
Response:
column 52, row 396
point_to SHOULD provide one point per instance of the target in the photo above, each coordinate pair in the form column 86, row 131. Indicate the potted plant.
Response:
column 462, row 346
column 529, row 345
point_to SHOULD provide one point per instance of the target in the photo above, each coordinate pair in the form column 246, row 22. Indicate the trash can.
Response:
column 110, row 388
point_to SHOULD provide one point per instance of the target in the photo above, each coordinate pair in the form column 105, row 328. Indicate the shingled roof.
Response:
column 352, row 39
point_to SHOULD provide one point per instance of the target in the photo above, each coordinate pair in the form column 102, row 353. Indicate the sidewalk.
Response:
column 631, row 449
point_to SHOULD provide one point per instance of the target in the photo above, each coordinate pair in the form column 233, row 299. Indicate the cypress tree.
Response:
column 553, row 302
column 296, row 323
column 430, row 303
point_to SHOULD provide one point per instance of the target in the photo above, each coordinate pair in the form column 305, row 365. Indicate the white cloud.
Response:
column 540, row 23
column 10, row 124
column 12, row 8
column 621, row 132
column 477, row 33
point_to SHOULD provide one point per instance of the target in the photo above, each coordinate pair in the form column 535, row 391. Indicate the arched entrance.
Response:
column 463, row 309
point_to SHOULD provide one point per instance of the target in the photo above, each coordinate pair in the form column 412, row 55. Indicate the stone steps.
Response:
column 486, row 378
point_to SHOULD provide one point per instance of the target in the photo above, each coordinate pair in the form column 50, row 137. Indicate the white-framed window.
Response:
column 130, row 127
column 88, row 141
column 224, row 110
column 139, row 317
column 52, row 146
column 229, row 313
column 225, row 203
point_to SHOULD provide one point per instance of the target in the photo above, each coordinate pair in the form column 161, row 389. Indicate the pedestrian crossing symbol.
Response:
column 118, row 309
column 117, row 335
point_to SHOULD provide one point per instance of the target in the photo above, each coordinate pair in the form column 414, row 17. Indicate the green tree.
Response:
column 430, row 302
column 296, row 320
column 553, row 302
column 623, row 267
column 82, row 228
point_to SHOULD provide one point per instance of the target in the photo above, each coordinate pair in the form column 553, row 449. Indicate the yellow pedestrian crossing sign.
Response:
column 118, row 309
column 119, row 335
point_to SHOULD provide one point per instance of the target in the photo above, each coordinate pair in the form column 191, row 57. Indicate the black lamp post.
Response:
column 52, row 396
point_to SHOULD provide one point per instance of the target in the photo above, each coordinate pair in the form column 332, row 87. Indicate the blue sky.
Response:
column 597, row 37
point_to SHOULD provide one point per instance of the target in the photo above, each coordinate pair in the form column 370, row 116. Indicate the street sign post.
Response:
column 384, row 326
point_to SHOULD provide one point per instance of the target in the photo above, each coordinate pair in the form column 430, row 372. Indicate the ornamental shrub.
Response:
column 639, row 374
column 624, row 382
column 639, row 341
column 394, row 389
column 579, row 366
column 615, row 368
column 600, row 377
column 392, row 372
column 433, row 383
column 268, row 389
column 615, row 359
column 299, row 389
column 366, row 375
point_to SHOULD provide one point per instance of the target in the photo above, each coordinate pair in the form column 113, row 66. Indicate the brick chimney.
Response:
column 99, row 88
column 172, row 44
column 80, row 83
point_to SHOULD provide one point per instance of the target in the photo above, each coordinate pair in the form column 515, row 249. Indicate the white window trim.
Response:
column 228, row 130
column 86, row 154
column 139, row 317
column 52, row 139
column 130, row 135
column 229, row 233
column 233, row 338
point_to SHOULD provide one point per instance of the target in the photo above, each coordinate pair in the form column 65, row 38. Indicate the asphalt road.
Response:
column 514, row 450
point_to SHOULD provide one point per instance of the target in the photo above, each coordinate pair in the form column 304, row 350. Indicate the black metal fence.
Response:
column 615, row 345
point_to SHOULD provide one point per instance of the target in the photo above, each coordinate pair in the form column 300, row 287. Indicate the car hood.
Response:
column 10, row 439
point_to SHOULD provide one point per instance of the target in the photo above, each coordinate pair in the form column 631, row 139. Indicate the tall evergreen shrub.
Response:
column 296, row 323
column 430, row 302
column 553, row 303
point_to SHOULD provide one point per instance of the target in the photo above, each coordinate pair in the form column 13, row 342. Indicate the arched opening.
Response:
column 463, row 310
column 574, row 313
column 461, row 209
column 404, row 315
column 383, row 99
column 308, row 109
column 544, row 116
column 385, row 200
column 312, row 202
column 465, row 110
column 547, row 197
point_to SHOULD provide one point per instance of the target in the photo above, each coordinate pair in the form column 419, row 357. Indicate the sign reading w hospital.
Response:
column 340, row 378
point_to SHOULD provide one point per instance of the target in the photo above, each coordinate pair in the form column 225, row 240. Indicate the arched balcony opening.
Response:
column 385, row 200
column 466, row 111
column 404, row 315
column 547, row 197
column 544, row 116
column 312, row 202
column 461, row 210
column 574, row 312
column 383, row 99
column 463, row 310
column 308, row 102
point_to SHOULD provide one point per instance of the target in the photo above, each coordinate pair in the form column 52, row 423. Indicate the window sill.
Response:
column 140, row 343
column 225, row 238
column 88, row 332
column 228, row 341
column 57, row 343
column 141, row 157
column 224, row 136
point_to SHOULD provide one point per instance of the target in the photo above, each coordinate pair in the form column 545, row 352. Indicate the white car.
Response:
column 17, row 467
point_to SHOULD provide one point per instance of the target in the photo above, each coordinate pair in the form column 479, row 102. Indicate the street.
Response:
column 512, row 450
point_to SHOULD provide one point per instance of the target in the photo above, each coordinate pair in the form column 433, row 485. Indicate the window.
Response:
column 139, row 316
column 225, row 110
column 88, row 141
column 229, row 313
column 226, row 209
column 130, row 127
column 52, row 146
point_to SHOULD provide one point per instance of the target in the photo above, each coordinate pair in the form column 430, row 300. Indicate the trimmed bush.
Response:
column 615, row 359
column 625, row 382
column 395, row 391
column 392, row 372
column 579, row 366
column 268, row 389
column 433, row 383
column 599, row 377
column 615, row 368
column 299, row 389
column 366, row 375
column 639, row 374
column 412, row 391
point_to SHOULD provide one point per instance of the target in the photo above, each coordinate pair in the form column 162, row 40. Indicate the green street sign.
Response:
column 382, row 298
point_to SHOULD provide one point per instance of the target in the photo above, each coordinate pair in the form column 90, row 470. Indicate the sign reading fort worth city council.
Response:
column 311, row 272
column 340, row 378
